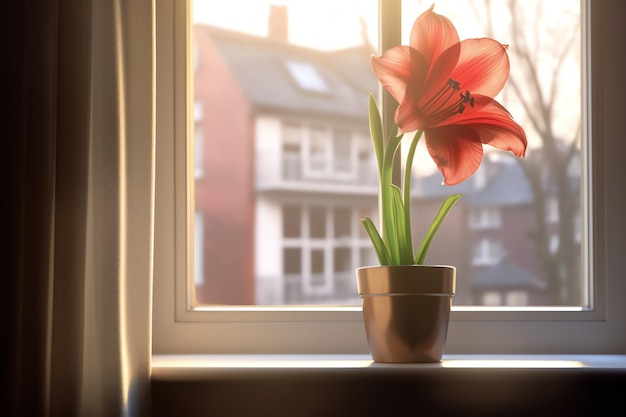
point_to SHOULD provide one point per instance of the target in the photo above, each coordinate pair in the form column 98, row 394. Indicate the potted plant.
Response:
column 445, row 90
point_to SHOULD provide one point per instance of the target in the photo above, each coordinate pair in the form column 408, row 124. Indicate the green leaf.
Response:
column 405, row 252
column 408, row 170
column 376, row 132
column 389, row 220
column 444, row 210
column 379, row 246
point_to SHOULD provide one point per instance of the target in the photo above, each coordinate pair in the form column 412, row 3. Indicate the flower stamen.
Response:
column 454, row 85
column 444, row 107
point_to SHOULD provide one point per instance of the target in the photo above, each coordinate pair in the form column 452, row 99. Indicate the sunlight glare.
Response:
column 320, row 24
column 515, row 363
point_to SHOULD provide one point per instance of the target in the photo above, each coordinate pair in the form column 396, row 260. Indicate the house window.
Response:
column 552, row 210
column 292, row 221
column 487, row 252
column 321, row 251
column 517, row 298
column 554, row 243
column 485, row 218
column 339, row 328
column 342, row 154
column 342, row 223
column 314, row 152
column 291, row 153
column 307, row 77
column 492, row 298
column 318, row 152
column 508, row 298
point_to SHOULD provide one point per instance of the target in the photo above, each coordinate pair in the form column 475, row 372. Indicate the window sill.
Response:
column 315, row 385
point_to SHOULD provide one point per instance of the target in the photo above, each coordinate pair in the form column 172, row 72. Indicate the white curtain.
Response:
column 81, row 210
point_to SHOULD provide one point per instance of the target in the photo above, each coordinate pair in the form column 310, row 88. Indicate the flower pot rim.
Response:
column 406, row 279
column 434, row 266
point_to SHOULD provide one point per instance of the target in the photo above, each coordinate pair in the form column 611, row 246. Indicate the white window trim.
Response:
column 177, row 328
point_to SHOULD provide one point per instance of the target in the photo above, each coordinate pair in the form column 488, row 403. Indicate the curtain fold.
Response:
column 80, row 303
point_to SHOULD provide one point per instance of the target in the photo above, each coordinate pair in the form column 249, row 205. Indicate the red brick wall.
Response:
column 225, row 193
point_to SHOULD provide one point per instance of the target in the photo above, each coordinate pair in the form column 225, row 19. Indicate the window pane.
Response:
column 292, row 221
column 288, row 164
column 342, row 221
column 292, row 261
column 288, row 169
column 317, row 222
column 342, row 151
column 514, row 236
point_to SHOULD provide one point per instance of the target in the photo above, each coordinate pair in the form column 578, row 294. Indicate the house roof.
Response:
column 504, row 184
column 507, row 274
column 339, row 82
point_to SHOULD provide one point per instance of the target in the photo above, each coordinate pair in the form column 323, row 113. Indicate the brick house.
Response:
column 284, row 169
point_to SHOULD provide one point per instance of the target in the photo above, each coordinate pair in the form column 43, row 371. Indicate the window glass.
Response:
column 292, row 221
column 342, row 222
column 520, row 217
column 318, row 155
column 286, row 101
column 307, row 76
column 342, row 152
column 292, row 169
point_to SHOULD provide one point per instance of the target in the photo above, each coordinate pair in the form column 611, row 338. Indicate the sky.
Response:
column 335, row 24
column 321, row 24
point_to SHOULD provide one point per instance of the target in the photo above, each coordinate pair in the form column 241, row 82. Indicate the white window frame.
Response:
column 179, row 328
column 327, row 244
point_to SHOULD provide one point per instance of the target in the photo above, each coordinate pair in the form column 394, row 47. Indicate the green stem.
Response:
column 390, row 236
column 407, row 190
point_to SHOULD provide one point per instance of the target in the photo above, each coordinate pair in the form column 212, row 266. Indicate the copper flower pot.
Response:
column 406, row 310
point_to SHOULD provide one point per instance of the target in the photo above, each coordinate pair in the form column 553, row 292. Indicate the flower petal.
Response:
column 440, row 72
column 483, row 67
column 432, row 34
column 494, row 126
column 456, row 150
column 398, row 67
column 409, row 117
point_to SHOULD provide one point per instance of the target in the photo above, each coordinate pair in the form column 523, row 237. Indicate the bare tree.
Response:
column 537, row 80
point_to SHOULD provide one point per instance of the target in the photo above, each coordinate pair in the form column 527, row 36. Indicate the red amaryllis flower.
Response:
column 445, row 87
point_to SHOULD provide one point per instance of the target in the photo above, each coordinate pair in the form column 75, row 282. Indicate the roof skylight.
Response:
column 306, row 76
